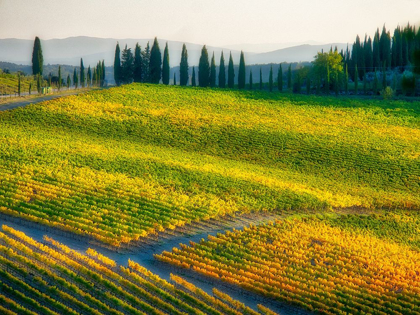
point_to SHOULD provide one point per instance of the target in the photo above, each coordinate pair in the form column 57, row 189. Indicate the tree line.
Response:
column 81, row 77
column 148, row 66
column 377, row 63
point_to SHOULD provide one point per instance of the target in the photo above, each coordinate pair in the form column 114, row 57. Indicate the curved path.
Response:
column 15, row 103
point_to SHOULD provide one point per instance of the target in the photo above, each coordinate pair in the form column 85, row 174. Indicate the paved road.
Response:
column 25, row 102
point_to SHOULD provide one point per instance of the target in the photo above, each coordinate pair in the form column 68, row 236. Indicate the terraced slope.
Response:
column 51, row 278
column 124, row 163
column 325, row 264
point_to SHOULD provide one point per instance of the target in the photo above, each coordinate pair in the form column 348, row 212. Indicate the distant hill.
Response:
column 293, row 54
column 69, row 51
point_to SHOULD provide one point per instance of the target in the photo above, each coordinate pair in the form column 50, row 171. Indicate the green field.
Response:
column 122, row 163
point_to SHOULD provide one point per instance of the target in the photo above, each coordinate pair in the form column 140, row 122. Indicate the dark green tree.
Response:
column 222, row 72
column 231, row 73
column 346, row 80
column 261, row 81
column 68, row 81
column 117, row 65
column 241, row 72
column 39, row 83
column 183, row 67
column 59, row 78
column 270, row 80
column 82, row 73
column 365, row 84
column 289, row 78
column 30, row 88
column 204, row 68
column 384, row 84
column 376, row 51
column 250, row 80
column 193, row 80
column 375, row 83
column 367, row 47
column 213, row 72
column 356, row 80
column 146, row 64
column 89, row 76
column 49, row 79
column 174, row 78
column 75, row 79
column 37, row 57
column 165, row 67
column 138, row 64
column 103, row 73
column 280, row 79
column 155, row 63
column 127, row 66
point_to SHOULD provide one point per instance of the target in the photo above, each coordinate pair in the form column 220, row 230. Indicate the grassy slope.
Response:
column 9, row 83
column 169, row 155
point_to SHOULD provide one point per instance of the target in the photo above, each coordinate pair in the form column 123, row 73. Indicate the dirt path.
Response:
column 15, row 103
column 143, row 254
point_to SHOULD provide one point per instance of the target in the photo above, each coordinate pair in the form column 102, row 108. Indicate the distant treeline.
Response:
column 384, row 51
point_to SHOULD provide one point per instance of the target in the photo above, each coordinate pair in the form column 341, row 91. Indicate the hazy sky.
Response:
column 212, row 22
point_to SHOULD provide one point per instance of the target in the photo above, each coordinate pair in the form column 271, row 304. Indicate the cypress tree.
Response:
column 376, row 51
column 165, row 67
column 384, row 76
column 38, row 83
column 19, row 84
column 89, row 77
column 59, row 78
column 289, row 78
column 155, row 63
column 127, row 66
column 222, row 72
column 183, row 66
column 68, row 81
column 261, row 82
column 137, row 74
column 308, row 85
column 193, row 83
column 49, row 79
column 37, row 57
column 103, row 73
column 346, row 80
column 94, row 77
column 336, row 85
column 82, row 73
column 241, row 72
column 231, row 73
column 146, row 64
column 368, row 55
column 365, row 84
column 30, row 88
column 117, row 65
column 250, row 80
column 270, row 80
column 174, row 78
column 213, row 72
column 280, row 79
column 204, row 68
column 75, row 79
column 375, row 83
column 356, row 80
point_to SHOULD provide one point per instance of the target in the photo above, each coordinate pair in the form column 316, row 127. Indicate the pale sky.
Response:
column 211, row 22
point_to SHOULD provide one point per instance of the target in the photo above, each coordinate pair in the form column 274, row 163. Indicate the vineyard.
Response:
column 121, row 164
column 327, row 264
column 51, row 278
